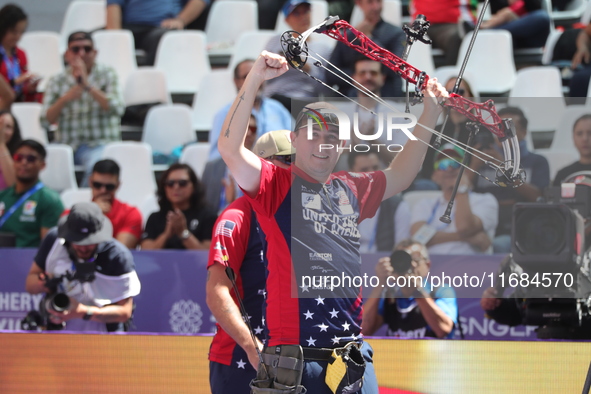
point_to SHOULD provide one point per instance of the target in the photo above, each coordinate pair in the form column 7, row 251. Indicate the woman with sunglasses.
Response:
column 454, row 128
column 10, row 137
column 184, row 221
column 17, row 83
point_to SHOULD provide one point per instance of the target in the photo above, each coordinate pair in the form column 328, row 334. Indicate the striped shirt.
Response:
column 83, row 121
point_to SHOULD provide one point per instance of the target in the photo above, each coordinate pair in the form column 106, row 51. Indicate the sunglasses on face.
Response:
column 108, row 186
column 285, row 159
column 85, row 48
column 181, row 182
column 29, row 158
column 445, row 164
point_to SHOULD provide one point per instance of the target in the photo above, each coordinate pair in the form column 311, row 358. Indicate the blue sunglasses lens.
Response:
column 445, row 164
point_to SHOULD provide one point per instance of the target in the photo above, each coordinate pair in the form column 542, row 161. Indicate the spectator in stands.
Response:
column 221, row 189
column 384, row 34
column 85, row 101
column 185, row 220
column 237, row 243
column 446, row 16
column 28, row 209
column 473, row 218
column 17, row 83
column 391, row 223
column 126, row 220
column 294, row 84
column 369, row 74
column 537, row 177
column 270, row 114
column 10, row 137
column 527, row 22
column 104, row 303
column 416, row 310
column 454, row 128
column 148, row 20
column 581, row 60
column 582, row 141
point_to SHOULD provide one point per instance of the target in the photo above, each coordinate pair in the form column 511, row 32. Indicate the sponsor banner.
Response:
column 172, row 299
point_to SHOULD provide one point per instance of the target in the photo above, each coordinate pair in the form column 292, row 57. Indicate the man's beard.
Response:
column 27, row 180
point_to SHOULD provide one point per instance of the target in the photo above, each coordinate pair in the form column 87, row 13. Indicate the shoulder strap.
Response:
column 20, row 202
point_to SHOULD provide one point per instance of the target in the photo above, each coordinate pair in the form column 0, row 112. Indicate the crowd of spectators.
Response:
column 84, row 102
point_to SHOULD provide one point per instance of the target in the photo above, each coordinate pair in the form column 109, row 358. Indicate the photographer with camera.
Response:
column 548, row 268
column 89, row 277
column 411, row 311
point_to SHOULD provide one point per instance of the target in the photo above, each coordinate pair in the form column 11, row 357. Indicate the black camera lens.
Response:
column 401, row 261
column 541, row 232
column 59, row 302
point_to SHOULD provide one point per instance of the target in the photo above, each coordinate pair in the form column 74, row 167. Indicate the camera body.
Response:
column 37, row 320
column 548, row 249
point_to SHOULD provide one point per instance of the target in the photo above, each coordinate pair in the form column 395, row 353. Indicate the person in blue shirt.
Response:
column 148, row 20
column 269, row 114
column 411, row 311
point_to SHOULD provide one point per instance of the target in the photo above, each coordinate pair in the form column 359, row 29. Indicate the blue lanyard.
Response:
column 13, row 67
column 433, row 212
column 20, row 202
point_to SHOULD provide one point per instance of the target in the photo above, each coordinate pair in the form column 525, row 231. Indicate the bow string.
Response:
column 508, row 171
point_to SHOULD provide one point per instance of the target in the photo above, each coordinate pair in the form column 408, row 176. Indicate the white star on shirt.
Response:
column 346, row 326
column 322, row 327
column 308, row 314
column 304, row 289
column 241, row 364
column 262, row 292
column 247, row 317
column 311, row 341
column 333, row 313
column 335, row 340
column 263, row 321
column 258, row 330
column 319, row 301
column 354, row 337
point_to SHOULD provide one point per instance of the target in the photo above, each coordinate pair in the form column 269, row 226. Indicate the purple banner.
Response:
column 172, row 299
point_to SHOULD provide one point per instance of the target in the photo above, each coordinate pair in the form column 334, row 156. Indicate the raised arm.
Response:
column 244, row 165
column 404, row 168
column 114, row 17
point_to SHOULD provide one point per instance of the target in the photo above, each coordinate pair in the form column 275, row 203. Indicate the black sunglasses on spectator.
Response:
column 86, row 48
column 181, row 182
column 108, row 186
column 29, row 158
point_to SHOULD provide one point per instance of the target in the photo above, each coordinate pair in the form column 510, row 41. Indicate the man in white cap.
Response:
column 98, row 272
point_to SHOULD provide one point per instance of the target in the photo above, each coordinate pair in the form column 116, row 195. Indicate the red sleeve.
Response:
column 230, row 235
column 369, row 187
column 132, row 223
column 3, row 69
column 22, row 59
column 518, row 7
column 275, row 184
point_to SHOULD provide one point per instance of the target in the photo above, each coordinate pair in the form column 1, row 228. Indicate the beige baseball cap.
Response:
column 276, row 142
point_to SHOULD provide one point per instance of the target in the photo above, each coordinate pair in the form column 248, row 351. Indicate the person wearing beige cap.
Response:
column 276, row 147
column 309, row 217
column 238, row 244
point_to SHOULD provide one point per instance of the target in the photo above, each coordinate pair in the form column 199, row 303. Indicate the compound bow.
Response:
column 508, row 172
